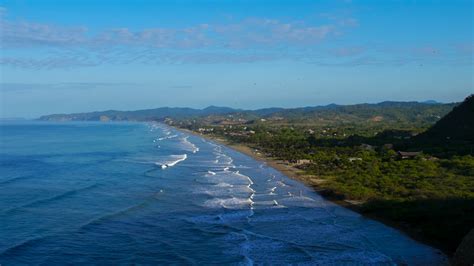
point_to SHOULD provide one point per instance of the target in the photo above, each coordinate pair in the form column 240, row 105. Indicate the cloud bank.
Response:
column 248, row 33
column 233, row 42
column 244, row 41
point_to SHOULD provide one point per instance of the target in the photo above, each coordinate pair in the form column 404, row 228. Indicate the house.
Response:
column 408, row 154
column 238, row 134
column 352, row 159
column 300, row 161
column 201, row 129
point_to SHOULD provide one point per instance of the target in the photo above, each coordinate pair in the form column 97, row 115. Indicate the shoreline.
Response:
column 314, row 183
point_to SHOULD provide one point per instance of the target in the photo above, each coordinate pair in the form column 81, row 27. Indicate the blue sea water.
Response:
column 145, row 193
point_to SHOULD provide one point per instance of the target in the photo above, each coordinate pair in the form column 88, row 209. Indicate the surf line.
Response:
column 173, row 163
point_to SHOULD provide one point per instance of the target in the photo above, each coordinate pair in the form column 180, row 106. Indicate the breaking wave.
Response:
column 229, row 203
column 188, row 145
column 168, row 137
column 172, row 160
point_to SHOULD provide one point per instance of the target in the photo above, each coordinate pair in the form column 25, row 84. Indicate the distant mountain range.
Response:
column 431, row 102
column 139, row 115
column 425, row 112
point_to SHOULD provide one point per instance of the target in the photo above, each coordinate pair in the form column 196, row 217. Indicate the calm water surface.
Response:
column 126, row 193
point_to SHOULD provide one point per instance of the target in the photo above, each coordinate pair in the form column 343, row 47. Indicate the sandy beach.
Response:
column 284, row 167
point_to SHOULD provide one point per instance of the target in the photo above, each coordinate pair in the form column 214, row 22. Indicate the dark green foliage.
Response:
column 445, row 221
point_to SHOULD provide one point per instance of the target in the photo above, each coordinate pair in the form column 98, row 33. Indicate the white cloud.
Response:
column 249, row 32
column 248, row 40
column 27, row 34
column 46, row 63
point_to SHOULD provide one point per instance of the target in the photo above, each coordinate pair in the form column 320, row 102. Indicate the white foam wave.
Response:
column 189, row 145
column 223, row 184
column 265, row 204
column 272, row 190
column 229, row 189
column 228, row 177
column 281, row 184
column 249, row 186
column 153, row 126
column 167, row 137
column 223, row 190
column 229, row 203
column 223, row 159
column 300, row 201
column 245, row 177
column 172, row 160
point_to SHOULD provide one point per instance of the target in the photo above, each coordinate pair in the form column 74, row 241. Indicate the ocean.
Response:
column 145, row 193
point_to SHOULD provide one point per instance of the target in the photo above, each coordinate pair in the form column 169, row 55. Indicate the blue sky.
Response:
column 74, row 56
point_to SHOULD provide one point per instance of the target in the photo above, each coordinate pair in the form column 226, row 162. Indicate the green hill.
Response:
column 457, row 125
column 452, row 134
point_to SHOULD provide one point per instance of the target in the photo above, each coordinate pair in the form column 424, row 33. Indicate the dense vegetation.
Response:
column 431, row 190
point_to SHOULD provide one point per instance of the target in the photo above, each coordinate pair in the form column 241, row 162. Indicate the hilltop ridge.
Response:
column 388, row 111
